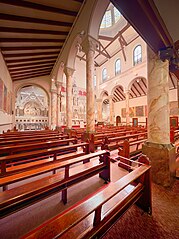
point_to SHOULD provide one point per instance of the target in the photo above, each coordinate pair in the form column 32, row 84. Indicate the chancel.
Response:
column 89, row 119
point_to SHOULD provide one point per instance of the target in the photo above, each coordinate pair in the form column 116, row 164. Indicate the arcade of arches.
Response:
column 105, row 73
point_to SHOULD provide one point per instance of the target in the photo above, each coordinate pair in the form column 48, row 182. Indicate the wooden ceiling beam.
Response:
column 24, row 48
column 122, row 48
column 117, row 96
column 31, row 40
column 9, row 17
column 30, row 54
column 133, row 93
column 30, row 68
column 134, row 86
column 105, row 38
column 27, row 77
column 32, row 31
column 12, row 69
column 30, row 63
column 30, row 73
column 141, row 88
column 40, row 7
column 31, row 59
column 144, row 83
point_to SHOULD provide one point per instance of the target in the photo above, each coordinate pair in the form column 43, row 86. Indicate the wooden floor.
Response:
column 15, row 225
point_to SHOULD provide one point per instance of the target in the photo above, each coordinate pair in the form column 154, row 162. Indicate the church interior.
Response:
column 89, row 119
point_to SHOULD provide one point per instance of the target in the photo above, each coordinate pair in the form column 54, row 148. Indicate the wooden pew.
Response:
column 33, row 140
column 111, row 139
column 125, row 154
column 17, row 137
column 93, row 217
column 115, row 143
column 36, row 154
column 29, row 193
column 7, row 150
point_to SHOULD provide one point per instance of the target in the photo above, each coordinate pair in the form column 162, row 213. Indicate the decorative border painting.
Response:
column 1, row 94
column 5, row 98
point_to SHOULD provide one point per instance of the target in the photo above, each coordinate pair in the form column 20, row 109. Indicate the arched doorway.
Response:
column 31, row 108
column 118, row 120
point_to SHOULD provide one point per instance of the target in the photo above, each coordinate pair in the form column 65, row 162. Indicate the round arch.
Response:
column 103, row 93
column 135, row 79
column 97, row 15
column 138, row 87
column 73, row 51
column 118, row 93
column 19, row 87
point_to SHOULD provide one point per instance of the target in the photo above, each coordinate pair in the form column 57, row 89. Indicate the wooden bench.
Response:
column 115, row 143
column 7, row 150
column 17, row 137
column 38, row 154
column 19, row 197
column 33, row 140
column 92, row 218
column 111, row 139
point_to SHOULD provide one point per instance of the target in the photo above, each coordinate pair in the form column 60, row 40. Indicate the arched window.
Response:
column 137, row 55
column 104, row 74
column 94, row 81
column 117, row 66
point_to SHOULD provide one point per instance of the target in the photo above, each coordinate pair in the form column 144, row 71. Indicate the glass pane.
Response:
column 117, row 14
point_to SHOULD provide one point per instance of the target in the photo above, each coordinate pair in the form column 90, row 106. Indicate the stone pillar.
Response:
column 158, row 147
column 99, row 110
column 127, row 93
column 111, row 107
column 53, row 108
column 89, row 47
column 58, row 84
column 69, row 81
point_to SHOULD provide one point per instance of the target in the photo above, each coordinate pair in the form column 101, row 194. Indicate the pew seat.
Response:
column 29, row 193
column 39, row 154
column 90, row 218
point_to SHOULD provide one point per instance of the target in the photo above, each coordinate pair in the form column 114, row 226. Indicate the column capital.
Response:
column 58, row 83
column 111, row 97
column 69, row 71
column 99, row 100
column 53, row 91
column 89, row 44
column 127, row 91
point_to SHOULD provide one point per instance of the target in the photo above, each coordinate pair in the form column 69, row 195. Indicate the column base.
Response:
column 163, row 158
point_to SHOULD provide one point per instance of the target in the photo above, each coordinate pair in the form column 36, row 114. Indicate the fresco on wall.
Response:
column 5, row 98
column 132, row 111
column 139, row 111
column 1, row 94
column 145, row 110
column 123, row 112
column 174, row 109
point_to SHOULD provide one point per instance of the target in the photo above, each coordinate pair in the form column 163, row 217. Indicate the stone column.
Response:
column 69, row 73
column 127, row 93
column 58, row 84
column 89, row 47
column 99, row 110
column 111, row 107
column 158, row 147
column 53, row 108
